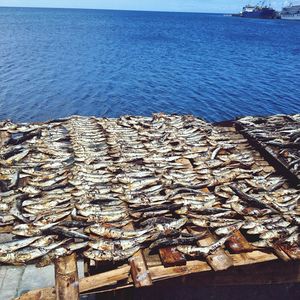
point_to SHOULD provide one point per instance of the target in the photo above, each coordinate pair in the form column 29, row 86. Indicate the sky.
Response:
column 218, row 6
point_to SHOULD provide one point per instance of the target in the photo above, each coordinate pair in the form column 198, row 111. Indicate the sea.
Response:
column 60, row 62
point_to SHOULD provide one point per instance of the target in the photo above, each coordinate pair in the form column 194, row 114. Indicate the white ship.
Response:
column 291, row 12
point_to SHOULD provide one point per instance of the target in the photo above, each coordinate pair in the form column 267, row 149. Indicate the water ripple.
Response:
column 55, row 63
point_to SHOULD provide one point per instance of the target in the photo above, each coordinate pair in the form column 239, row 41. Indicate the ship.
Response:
column 259, row 12
column 291, row 12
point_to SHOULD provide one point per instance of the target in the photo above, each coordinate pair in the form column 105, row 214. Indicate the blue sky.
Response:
column 160, row 5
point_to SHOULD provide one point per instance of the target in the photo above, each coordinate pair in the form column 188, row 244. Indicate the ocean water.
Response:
column 59, row 62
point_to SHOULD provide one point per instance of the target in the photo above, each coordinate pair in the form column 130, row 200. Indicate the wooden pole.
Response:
column 66, row 278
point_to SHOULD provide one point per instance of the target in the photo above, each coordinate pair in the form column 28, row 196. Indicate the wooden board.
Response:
column 171, row 257
column 238, row 243
column 139, row 269
column 219, row 260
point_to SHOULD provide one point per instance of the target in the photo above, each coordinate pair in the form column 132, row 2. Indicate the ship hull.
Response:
column 291, row 17
column 261, row 14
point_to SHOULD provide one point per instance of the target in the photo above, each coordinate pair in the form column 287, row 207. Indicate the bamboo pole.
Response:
column 66, row 278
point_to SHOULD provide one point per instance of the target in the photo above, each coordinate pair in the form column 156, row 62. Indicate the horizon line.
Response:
column 114, row 9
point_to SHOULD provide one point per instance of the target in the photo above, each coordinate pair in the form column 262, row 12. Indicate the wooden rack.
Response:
column 238, row 262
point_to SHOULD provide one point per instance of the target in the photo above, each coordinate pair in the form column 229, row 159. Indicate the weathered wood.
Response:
column 66, row 278
column 104, row 279
column 139, row 269
column 269, row 155
column 280, row 252
column 238, row 243
column 219, row 260
column 159, row 273
column 171, row 257
column 276, row 272
column 41, row 294
column 85, row 284
column 290, row 252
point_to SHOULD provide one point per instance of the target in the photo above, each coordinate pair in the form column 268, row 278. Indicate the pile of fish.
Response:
column 281, row 134
column 107, row 188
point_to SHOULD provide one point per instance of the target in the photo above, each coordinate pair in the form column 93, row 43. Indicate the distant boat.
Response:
column 291, row 12
column 258, row 12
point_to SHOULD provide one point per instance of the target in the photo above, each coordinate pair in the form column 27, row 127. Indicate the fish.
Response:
column 17, row 244
column 29, row 230
column 250, row 211
column 224, row 231
column 251, row 200
column 171, row 242
column 214, row 223
column 27, row 254
column 202, row 251
column 156, row 220
column 67, row 232
column 73, row 223
column 111, row 256
column 116, row 233
column 114, row 245
column 17, row 157
column 173, row 225
column 276, row 233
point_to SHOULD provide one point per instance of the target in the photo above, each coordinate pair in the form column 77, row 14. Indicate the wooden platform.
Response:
column 238, row 263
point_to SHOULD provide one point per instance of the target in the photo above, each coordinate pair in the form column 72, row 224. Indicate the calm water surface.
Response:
column 55, row 63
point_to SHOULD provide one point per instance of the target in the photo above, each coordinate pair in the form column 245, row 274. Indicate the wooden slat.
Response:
column 290, row 252
column 104, row 279
column 159, row 273
column 139, row 269
column 238, row 243
column 171, row 257
column 266, row 273
column 219, row 260
column 66, row 278
column 85, row 284
column 269, row 155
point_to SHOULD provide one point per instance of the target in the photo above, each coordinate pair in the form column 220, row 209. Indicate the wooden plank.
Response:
column 254, row 257
column 171, row 257
column 280, row 252
column 104, row 279
column 291, row 252
column 159, row 273
column 139, row 269
column 238, row 243
column 66, row 278
column 219, row 260
column 199, row 272
column 270, row 156
column 85, row 284
column 276, row 272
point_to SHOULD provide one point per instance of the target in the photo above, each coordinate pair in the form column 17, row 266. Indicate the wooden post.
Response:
column 66, row 278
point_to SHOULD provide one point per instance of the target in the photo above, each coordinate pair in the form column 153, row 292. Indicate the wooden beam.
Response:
column 66, row 278
column 171, row 257
column 85, row 284
column 159, row 273
column 139, row 269
column 238, row 243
